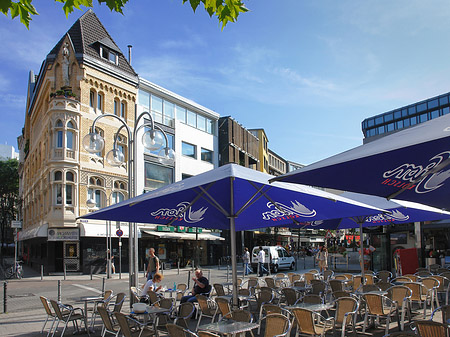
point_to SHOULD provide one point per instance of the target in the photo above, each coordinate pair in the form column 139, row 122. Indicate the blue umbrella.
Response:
column 411, row 164
column 235, row 198
column 399, row 212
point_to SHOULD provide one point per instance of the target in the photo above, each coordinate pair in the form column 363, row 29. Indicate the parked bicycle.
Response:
column 15, row 271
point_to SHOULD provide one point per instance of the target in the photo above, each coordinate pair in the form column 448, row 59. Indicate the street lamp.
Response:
column 153, row 139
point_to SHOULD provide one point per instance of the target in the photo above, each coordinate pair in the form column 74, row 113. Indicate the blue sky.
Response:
column 308, row 72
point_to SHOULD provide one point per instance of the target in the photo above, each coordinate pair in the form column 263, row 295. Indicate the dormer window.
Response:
column 109, row 55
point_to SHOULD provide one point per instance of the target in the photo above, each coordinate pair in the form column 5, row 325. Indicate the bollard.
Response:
column 304, row 262
column 103, row 286
column 189, row 279
column 42, row 272
column 218, row 265
column 162, row 267
column 228, row 272
column 4, row 297
column 64, row 271
column 178, row 263
column 91, row 273
column 209, row 274
column 59, row 290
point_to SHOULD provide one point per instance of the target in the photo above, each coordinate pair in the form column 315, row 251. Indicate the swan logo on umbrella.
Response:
column 280, row 211
column 180, row 213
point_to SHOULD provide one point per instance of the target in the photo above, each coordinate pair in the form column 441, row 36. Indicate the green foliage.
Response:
column 9, row 194
column 225, row 10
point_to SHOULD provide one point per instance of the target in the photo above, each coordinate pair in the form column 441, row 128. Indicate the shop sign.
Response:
column 63, row 234
column 192, row 230
column 181, row 229
column 165, row 228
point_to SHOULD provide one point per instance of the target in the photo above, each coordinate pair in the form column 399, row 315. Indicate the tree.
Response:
column 9, row 195
column 225, row 10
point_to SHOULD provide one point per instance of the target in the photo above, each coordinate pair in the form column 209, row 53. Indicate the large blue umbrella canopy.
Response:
column 235, row 198
column 399, row 212
column 211, row 199
column 411, row 164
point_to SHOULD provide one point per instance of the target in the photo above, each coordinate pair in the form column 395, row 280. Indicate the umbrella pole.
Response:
column 233, row 263
column 361, row 251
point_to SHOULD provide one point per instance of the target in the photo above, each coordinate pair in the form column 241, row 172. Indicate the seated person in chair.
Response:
column 201, row 286
column 151, row 285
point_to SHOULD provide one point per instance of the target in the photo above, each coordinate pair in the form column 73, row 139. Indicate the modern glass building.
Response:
column 378, row 126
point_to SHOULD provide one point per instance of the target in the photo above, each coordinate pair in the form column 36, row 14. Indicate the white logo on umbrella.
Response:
column 394, row 216
column 179, row 213
column 279, row 210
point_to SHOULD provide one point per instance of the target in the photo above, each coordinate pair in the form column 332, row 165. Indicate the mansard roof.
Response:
column 86, row 34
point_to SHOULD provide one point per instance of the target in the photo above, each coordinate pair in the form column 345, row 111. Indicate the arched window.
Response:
column 70, row 135
column 92, row 96
column 101, row 133
column 123, row 110
column 122, row 145
column 70, row 188
column 99, row 102
column 117, row 197
column 64, row 189
column 57, row 188
column 117, row 107
column 96, row 192
column 59, row 132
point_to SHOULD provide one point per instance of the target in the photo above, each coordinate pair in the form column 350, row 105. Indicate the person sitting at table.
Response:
column 151, row 285
column 201, row 286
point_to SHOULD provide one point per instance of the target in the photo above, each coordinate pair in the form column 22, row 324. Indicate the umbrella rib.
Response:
column 252, row 199
column 439, row 167
column 213, row 201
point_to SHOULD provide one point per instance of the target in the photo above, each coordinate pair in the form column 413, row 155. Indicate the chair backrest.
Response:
column 280, row 275
column 178, row 331
column 107, row 296
column 340, row 293
column 224, row 305
column 417, row 290
column 357, row 281
column 384, row 285
column 270, row 308
column 57, row 309
column 220, row 291
column 244, row 292
column 264, row 297
column 120, row 298
column 290, row 295
column 421, row 269
column 185, row 312
column 181, row 287
column 308, row 277
column 153, row 297
column 305, row 321
column 434, row 267
column 374, row 304
column 370, row 279
column 299, row 283
column 123, row 324
column 106, row 319
column 398, row 294
column 443, row 282
column 205, row 304
column 345, row 305
column 276, row 325
column 44, row 301
column 423, row 273
column 252, row 283
column 270, row 282
column 430, row 282
column 312, row 298
column 336, row 285
column 206, row 334
column 340, row 277
column 327, row 274
column 294, row 277
column 445, row 274
column 413, row 277
column 428, row 328
column 402, row 279
column 135, row 294
column 441, row 270
column 314, row 271
column 384, row 275
column 318, row 287
column 166, row 303
column 239, row 282
column 241, row 315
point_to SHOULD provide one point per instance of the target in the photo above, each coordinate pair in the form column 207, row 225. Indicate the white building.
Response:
column 8, row 152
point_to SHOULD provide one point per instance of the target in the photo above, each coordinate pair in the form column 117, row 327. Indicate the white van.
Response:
column 279, row 258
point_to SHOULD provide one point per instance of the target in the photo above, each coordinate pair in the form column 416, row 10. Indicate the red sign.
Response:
column 119, row 232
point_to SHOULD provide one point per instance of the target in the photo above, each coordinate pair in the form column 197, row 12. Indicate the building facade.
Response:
column 263, row 148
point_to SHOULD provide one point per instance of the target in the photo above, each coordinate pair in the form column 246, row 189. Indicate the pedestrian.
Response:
column 201, row 286
column 246, row 260
column 153, row 264
column 322, row 257
column 113, row 267
column 261, row 260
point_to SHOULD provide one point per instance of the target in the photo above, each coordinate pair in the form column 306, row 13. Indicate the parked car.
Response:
column 277, row 256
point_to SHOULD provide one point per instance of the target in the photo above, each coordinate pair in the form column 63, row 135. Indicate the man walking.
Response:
column 153, row 264
column 261, row 261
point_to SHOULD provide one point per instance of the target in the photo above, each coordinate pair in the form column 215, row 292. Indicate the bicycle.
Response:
column 16, row 272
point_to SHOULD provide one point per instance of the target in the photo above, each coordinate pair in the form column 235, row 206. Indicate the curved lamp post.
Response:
column 153, row 139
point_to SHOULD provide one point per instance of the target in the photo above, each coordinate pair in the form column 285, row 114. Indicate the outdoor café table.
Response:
column 228, row 327
column 170, row 292
column 376, row 292
column 311, row 306
column 86, row 300
column 151, row 311
column 301, row 289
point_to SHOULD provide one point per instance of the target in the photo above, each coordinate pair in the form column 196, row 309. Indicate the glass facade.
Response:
column 165, row 112
column 406, row 116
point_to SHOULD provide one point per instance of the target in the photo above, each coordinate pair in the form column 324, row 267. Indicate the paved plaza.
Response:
column 25, row 315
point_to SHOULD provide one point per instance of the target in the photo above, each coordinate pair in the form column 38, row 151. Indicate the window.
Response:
column 201, row 122
column 157, row 106
column 398, row 114
column 116, row 107
column 207, row 155
column 188, row 150
column 433, row 104
column 117, row 197
column 69, row 188
column 100, row 102
column 59, row 134
column 92, row 99
column 94, row 193
column 170, row 138
column 399, row 125
column 169, row 113
column 157, row 176
column 122, row 145
column 378, row 120
column 144, row 99
column 57, row 187
column 192, row 118
column 413, row 121
column 101, row 133
column 423, row 118
column 421, row 107
column 434, row 114
column 390, row 127
column 443, row 100
column 123, row 109
column 108, row 54
column 70, row 135
column 181, row 113
column 388, row 117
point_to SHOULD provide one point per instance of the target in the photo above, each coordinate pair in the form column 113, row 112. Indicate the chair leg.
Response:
column 56, row 328
column 365, row 323
column 42, row 330
column 388, row 320
column 199, row 320
column 51, row 327
column 64, row 329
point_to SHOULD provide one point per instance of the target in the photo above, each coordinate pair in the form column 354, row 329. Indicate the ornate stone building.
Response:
column 84, row 75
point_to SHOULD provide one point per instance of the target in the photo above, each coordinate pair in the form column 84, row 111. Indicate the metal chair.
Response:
column 223, row 307
column 181, row 289
column 184, row 314
column 419, row 294
column 318, row 287
column 428, row 328
column 50, row 314
column 346, row 310
column 308, row 277
column 327, row 275
column 312, row 298
column 432, row 285
column 270, row 308
column 178, row 331
column 401, row 295
column 442, row 289
column 336, row 285
column 130, row 327
column 108, row 324
column 206, row 334
column 289, row 296
column 311, row 323
column 107, row 296
column 277, row 325
column 401, row 279
column 219, row 289
column 207, row 307
column 119, row 299
column 384, row 286
column 66, row 315
column 379, row 306
column 445, row 313
column 384, row 275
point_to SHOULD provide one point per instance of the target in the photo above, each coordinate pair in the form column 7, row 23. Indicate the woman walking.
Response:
column 322, row 257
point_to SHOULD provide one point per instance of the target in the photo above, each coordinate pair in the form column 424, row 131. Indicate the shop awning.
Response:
column 40, row 231
column 99, row 230
column 182, row 236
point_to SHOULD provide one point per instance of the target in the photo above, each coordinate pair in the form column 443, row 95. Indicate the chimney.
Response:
column 129, row 53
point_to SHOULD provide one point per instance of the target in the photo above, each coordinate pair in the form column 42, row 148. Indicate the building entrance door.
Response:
column 72, row 255
column 380, row 258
